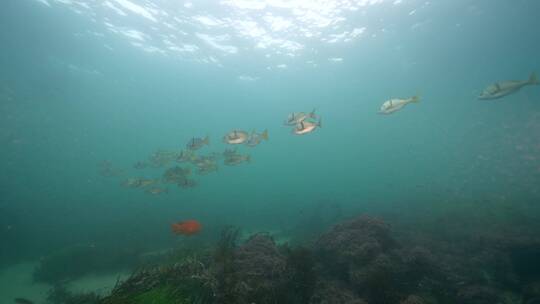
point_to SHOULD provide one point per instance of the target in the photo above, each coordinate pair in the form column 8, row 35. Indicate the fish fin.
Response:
column 264, row 135
column 319, row 124
column 415, row 98
column 312, row 113
column 533, row 79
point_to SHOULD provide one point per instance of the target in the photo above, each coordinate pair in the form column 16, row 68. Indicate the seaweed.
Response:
column 60, row 295
column 355, row 262
column 224, row 270
column 187, row 281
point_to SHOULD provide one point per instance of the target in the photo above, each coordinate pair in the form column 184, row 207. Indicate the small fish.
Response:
column 173, row 175
column 162, row 158
column 393, row 105
column 157, row 191
column 189, row 227
column 132, row 182
column 229, row 152
column 305, row 127
column 196, row 143
column 236, row 159
column 295, row 118
column 207, row 168
column 185, row 156
column 187, row 183
column 503, row 88
column 256, row 138
column 147, row 182
column 236, row 137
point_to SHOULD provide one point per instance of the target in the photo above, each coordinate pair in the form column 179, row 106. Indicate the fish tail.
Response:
column 319, row 124
column 533, row 79
column 207, row 140
column 248, row 158
column 264, row 135
column 415, row 98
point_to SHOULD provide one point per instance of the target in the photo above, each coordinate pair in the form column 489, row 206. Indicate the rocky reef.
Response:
column 358, row 261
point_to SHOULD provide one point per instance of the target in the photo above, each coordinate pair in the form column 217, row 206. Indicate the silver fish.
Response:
column 295, row 118
column 196, row 143
column 236, row 137
column 306, row 126
column 503, row 88
column 396, row 104
column 256, row 138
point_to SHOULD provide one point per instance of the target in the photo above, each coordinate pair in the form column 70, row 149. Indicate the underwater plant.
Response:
column 223, row 267
column 60, row 295
column 183, row 282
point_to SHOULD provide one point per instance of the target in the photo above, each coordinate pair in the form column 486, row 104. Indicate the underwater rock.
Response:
column 260, row 269
column 334, row 292
column 413, row 299
column 517, row 252
column 531, row 292
column 359, row 240
column 363, row 254
column 301, row 275
column 359, row 252
column 478, row 295
column 419, row 258
column 379, row 280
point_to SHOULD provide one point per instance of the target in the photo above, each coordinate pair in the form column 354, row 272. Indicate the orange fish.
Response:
column 189, row 227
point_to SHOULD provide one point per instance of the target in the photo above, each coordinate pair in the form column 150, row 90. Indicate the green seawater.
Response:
column 83, row 82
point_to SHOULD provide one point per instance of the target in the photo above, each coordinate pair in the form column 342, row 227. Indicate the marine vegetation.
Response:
column 60, row 295
column 358, row 261
column 179, row 283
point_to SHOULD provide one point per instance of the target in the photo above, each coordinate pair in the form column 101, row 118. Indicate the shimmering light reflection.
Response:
column 209, row 34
